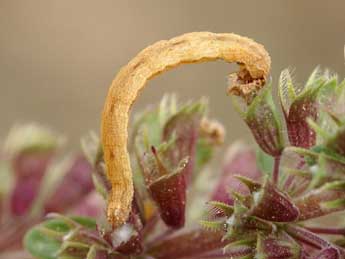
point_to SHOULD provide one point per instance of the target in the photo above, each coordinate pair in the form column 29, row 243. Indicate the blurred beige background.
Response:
column 58, row 57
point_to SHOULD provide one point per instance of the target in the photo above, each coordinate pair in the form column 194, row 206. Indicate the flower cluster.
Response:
column 171, row 144
column 304, row 175
column 277, row 202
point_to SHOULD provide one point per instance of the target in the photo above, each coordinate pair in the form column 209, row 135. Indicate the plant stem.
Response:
column 306, row 236
column 162, row 236
column 276, row 169
column 327, row 231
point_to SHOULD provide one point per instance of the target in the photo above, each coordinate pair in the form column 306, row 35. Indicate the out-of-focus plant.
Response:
column 35, row 180
column 264, row 204
column 171, row 145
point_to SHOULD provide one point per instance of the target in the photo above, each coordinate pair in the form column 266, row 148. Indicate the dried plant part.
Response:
column 242, row 84
column 193, row 47
column 212, row 130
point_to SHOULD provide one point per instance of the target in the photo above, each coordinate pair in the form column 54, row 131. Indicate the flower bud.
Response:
column 264, row 122
column 273, row 205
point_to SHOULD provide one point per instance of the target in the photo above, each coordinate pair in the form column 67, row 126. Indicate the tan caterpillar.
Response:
column 192, row 47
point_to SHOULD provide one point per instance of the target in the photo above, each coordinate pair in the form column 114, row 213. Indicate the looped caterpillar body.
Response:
column 188, row 48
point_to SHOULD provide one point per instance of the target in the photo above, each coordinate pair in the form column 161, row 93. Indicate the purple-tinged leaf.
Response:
column 325, row 200
column 23, row 195
column 29, row 168
column 31, row 164
column 328, row 253
column 274, row 205
column 218, row 209
column 251, row 184
column 241, row 161
column 76, row 184
column 32, row 148
column 239, row 251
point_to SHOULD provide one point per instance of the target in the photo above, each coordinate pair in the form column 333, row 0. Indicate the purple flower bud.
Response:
column 169, row 193
column 167, row 187
column 273, row 205
column 299, row 132
column 263, row 120
column 299, row 106
column 277, row 246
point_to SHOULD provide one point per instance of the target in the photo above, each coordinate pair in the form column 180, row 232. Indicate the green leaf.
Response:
column 212, row 225
column 221, row 206
column 44, row 244
column 204, row 153
column 149, row 124
column 287, row 93
column 315, row 83
column 336, row 142
column 40, row 245
column 335, row 204
column 85, row 221
column 264, row 161
column 313, row 77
